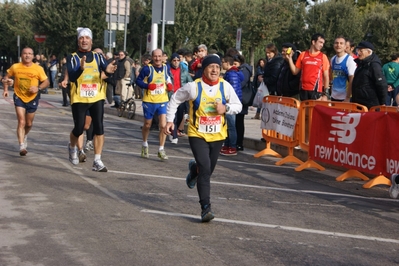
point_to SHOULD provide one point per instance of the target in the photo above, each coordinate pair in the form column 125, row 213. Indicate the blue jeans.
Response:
column 231, row 140
column 117, row 100
column 53, row 75
column 392, row 95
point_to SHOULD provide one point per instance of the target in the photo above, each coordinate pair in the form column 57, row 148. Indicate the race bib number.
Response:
column 88, row 90
column 210, row 124
column 160, row 89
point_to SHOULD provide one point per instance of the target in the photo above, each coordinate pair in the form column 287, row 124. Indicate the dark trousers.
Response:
column 66, row 94
column 240, row 128
column 206, row 156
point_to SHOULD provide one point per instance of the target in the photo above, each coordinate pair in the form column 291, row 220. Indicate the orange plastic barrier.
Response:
column 305, row 124
column 381, row 179
column 271, row 136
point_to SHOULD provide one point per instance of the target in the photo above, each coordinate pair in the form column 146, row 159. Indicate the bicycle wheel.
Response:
column 131, row 109
column 121, row 109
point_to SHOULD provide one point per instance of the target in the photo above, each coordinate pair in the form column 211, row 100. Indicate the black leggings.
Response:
column 206, row 156
column 90, row 132
column 79, row 117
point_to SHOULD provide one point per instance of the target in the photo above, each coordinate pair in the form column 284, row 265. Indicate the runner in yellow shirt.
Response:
column 27, row 77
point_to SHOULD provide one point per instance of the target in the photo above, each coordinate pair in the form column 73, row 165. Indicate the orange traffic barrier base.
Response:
column 290, row 158
column 378, row 180
column 267, row 151
column 310, row 164
column 352, row 173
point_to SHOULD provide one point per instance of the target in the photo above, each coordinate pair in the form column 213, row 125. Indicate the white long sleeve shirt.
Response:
column 189, row 93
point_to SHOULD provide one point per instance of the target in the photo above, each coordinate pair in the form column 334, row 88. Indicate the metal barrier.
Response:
column 305, row 124
column 271, row 136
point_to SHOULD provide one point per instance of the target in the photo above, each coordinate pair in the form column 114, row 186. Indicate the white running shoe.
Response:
column 394, row 189
column 73, row 155
column 98, row 166
column 162, row 155
column 172, row 140
column 144, row 152
column 89, row 146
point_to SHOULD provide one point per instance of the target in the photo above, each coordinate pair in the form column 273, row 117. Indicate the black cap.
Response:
column 174, row 55
column 365, row 44
column 211, row 59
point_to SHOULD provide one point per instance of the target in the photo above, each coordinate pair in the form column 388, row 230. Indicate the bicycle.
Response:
column 128, row 105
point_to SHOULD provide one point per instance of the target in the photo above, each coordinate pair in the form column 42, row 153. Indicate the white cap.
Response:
column 84, row 32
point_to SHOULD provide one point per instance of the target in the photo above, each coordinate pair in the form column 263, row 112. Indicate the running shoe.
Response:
column 98, row 166
column 191, row 178
column 162, row 155
column 394, row 189
column 22, row 147
column 144, row 152
column 23, row 152
column 82, row 156
column 207, row 214
column 172, row 140
column 73, row 155
column 89, row 146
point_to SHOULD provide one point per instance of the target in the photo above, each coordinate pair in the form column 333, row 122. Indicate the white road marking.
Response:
column 88, row 180
column 261, row 187
column 280, row 227
column 308, row 204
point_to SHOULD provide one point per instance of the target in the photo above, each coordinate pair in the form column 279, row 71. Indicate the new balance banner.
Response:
column 367, row 142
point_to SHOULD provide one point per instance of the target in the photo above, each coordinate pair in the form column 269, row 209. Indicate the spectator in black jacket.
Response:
column 65, row 90
column 272, row 67
column 369, row 86
column 287, row 83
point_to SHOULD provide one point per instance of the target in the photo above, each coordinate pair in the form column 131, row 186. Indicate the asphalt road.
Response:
column 142, row 213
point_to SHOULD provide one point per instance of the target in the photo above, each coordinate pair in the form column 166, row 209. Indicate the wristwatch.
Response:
column 227, row 108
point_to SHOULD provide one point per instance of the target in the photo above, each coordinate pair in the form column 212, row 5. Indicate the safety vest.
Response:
column 204, row 121
column 89, row 87
column 160, row 94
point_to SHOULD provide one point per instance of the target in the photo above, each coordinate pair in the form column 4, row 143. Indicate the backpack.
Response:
column 248, row 90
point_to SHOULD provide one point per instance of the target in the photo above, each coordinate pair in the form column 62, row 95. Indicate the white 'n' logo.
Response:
column 345, row 127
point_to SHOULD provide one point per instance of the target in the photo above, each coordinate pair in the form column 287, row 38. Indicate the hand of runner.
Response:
column 170, row 126
column 82, row 62
column 111, row 67
column 220, row 108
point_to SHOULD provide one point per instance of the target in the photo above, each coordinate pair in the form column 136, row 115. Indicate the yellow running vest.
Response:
column 89, row 87
column 160, row 94
column 205, row 122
